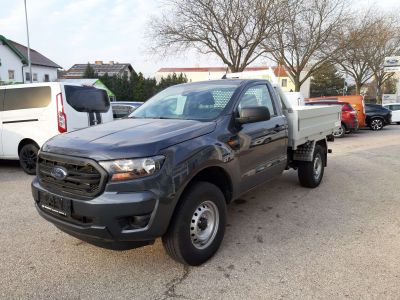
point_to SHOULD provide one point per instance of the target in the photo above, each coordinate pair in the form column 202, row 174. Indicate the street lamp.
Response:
column 29, row 48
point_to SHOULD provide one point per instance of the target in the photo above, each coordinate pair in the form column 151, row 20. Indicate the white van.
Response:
column 30, row 114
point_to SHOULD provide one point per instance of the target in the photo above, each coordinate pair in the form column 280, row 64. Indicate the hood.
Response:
column 127, row 138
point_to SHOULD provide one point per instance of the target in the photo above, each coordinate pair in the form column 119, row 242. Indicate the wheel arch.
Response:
column 24, row 142
column 323, row 143
column 215, row 175
column 375, row 117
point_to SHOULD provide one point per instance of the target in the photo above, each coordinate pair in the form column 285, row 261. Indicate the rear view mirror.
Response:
column 253, row 114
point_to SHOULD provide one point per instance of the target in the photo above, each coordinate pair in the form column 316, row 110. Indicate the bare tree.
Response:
column 351, row 55
column 305, row 39
column 231, row 29
column 384, row 41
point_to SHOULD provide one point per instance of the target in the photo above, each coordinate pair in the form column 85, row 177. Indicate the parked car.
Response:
column 395, row 109
column 377, row 116
column 356, row 101
column 122, row 109
column 348, row 116
column 30, row 114
column 172, row 167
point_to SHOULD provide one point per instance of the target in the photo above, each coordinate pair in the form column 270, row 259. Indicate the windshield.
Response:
column 203, row 101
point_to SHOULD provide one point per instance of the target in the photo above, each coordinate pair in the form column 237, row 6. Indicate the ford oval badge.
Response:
column 59, row 173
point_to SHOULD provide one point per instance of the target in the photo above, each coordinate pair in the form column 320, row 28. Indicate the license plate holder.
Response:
column 55, row 205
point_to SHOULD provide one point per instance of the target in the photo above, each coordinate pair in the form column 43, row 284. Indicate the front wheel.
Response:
column 310, row 173
column 376, row 124
column 198, row 225
column 28, row 158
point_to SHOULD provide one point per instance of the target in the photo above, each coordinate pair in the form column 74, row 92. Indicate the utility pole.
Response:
column 29, row 48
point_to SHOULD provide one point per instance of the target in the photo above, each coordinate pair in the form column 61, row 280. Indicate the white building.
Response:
column 14, row 64
column 211, row 73
column 193, row 74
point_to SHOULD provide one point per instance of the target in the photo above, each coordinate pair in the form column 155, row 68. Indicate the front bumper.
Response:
column 109, row 220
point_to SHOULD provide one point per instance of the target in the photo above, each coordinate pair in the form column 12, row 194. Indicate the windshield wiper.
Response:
column 159, row 117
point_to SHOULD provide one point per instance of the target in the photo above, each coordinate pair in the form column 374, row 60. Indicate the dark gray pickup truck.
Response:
column 170, row 169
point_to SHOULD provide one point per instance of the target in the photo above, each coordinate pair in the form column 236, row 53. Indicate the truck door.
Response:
column 263, row 145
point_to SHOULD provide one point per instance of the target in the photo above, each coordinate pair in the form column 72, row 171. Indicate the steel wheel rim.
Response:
column 317, row 166
column 28, row 158
column 204, row 224
column 376, row 124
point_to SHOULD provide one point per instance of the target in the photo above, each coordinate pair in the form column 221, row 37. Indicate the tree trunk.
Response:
column 379, row 94
column 358, row 87
column 234, row 69
column 379, row 84
column 296, row 82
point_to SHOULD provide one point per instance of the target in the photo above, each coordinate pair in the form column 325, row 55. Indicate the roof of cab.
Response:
column 236, row 82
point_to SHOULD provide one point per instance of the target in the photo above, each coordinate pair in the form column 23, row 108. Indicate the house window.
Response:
column 126, row 73
column 11, row 75
column 46, row 78
column 34, row 76
column 284, row 82
column 27, row 76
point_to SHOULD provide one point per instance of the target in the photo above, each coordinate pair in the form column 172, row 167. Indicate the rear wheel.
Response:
column 28, row 158
column 398, row 123
column 376, row 124
column 310, row 173
column 198, row 226
column 340, row 132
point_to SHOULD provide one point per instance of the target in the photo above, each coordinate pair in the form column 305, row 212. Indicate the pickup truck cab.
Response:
column 170, row 169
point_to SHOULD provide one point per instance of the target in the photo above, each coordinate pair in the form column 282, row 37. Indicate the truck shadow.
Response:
column 279, row 213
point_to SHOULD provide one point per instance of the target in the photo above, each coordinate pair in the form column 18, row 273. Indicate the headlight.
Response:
column 126, row 169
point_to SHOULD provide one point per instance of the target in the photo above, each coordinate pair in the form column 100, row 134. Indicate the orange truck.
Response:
column 356, row 101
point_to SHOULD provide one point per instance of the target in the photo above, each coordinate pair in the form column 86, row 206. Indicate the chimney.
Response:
column 111, row 62
column 98, row 62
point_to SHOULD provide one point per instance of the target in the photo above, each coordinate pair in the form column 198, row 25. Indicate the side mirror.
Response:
column 253, row 114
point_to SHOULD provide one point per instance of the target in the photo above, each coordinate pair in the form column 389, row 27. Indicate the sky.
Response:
column 81, row 31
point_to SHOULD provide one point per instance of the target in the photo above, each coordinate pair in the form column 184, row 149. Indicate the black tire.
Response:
column 376, row 124
column 28, row 158
column 398, row 123
column 178, row 241
column 340, row 132
column 307, row 176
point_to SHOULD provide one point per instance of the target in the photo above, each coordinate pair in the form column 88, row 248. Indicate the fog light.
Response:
column 134, row 222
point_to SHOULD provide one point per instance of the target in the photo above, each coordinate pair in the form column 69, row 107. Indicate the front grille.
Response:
column 84, row 179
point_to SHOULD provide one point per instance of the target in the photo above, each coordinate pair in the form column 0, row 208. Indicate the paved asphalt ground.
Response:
column 340, row 240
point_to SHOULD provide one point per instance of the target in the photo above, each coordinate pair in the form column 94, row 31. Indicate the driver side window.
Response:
column 258, row 96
